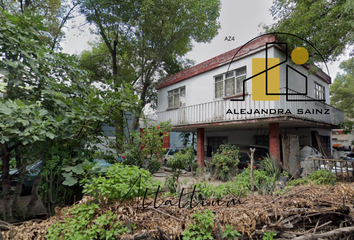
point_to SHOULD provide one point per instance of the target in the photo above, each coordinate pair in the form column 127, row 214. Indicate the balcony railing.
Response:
column 216, row 111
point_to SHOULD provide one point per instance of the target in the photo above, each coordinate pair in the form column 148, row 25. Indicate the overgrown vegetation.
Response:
column 202, row 228
column 225, row 161
column 84, row 222
column 179, row 161
column 320, row 177
column 121, row 181
column 144, row 149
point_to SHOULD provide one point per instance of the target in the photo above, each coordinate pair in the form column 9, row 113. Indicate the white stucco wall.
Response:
column 200, row 88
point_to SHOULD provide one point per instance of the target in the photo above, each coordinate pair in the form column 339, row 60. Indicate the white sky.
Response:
column 238, row 18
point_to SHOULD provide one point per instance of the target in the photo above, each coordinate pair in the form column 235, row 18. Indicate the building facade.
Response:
column 251, row 95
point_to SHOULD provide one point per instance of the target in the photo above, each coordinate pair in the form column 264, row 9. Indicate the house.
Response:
column 256, row 94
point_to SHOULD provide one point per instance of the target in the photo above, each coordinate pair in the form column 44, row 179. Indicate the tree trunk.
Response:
column 118, row 120
column 6, row 183
column 140, row 108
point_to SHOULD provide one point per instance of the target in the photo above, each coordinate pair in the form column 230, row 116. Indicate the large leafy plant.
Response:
column 225, row 159
column 121, row 182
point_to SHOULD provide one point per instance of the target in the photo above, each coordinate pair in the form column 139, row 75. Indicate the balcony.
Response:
column 216, row 111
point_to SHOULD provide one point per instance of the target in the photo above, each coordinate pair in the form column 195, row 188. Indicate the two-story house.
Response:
column 256, row 94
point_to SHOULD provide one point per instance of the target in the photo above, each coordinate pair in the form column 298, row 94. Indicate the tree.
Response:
column 55, row 14
column 342, row 90
column 49, row 100
column 141, row 34
column 328, row 25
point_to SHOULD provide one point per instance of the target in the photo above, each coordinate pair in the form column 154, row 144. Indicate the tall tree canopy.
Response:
column 329, row 25
column 54, row 13
column 342, row 90
column 142, row 36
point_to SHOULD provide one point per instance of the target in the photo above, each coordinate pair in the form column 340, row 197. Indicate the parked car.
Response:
column 169, row 153
column 31, row 174
column 348, row 156
column 244, row 156
column 33, row 170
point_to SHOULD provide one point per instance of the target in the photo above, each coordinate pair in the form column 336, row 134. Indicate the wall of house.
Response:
column 296, row 81
column 201, row 88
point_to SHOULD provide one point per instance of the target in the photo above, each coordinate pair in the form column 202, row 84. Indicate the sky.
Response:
column 238, row 18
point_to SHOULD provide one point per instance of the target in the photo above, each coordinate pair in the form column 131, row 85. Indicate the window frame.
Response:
column 318, row 91
column 173, row 95
column 234, row 80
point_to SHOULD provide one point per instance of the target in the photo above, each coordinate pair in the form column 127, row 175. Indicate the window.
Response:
column 230, row 83
column 219, row 86
column 177, row 97
column 319, row 92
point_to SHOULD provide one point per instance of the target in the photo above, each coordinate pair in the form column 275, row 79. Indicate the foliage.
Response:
column 271, row 166
column 146, row 39
column 225, row 158
column 84, row 224
column 285, row 174
column 269, row 235
column 342, row 92
column 326, row 24
column 55, row 15
column 205, row 189
column 262, row 182
column 323, row 177
column 185, row 137
column 202, row 229
column 230, row 234
column 177, row 163
column 146, row 147
column 121, row 181
column 297, row 182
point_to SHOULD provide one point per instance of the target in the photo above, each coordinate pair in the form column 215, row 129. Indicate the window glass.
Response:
column 230, row 87
column 241, row 71
column 239, row 84
column 177, row 97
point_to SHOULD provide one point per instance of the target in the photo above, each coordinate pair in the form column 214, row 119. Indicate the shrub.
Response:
column 225, row 158
column 322, row 177
column 271, row 167
column 205, row 189
column 262, row 182
column 202, row 229
column 144, row 149
column 177, row 163
column 81, row 226
column 120, row 181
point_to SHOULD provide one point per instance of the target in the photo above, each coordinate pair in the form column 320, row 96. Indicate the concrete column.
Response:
column 274, row 143
column 200, row 147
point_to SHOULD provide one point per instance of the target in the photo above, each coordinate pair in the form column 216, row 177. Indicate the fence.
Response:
column 342, row 168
